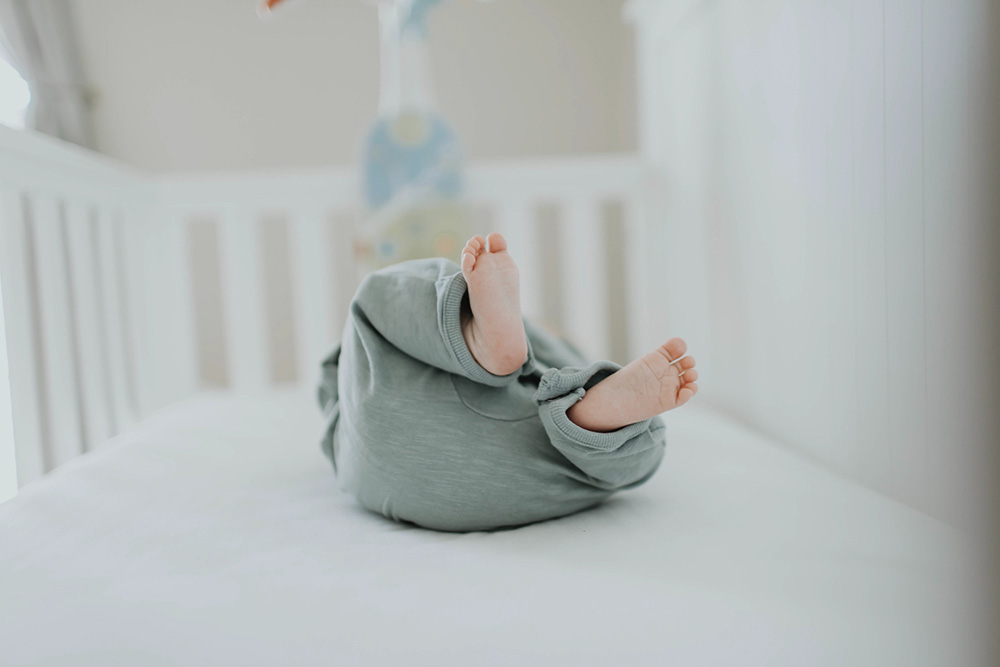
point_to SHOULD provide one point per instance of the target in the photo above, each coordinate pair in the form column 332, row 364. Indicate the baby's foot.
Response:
column 495, row 333
column 662, row 380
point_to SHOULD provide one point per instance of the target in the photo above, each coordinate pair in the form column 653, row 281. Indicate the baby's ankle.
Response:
column 499, row 357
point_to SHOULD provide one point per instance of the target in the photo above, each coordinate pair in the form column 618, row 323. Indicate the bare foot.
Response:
column 662, row 380
column 495, row 331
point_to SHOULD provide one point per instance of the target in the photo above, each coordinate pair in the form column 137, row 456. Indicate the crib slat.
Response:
column 245, row 344
column 8, row 454
column 112, row 316
column 95, row 392
column 346, row 274
column 22, row 344
column 642, row 336
column 60, row 377
column 315, row 285
column 585, row 277
column 518, row 223
column 531, row 270
column 126, row 284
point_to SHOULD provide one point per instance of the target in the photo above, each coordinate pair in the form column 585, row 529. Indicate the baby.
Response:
column 447, row 409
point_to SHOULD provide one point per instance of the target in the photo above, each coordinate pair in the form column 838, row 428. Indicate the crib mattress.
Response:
column 214, row 533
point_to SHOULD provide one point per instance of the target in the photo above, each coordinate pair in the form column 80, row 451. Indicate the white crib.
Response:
column 160, row 460
column 175, row 507
column 102, row 320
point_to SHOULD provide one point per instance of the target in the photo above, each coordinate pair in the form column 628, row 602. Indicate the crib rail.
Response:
column 568, row 222
column 123, row 292
column 63, row 212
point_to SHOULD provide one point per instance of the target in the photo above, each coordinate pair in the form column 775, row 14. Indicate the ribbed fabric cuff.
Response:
column 559, row 389
column 452, row 289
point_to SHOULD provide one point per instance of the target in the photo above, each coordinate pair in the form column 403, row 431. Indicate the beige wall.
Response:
column 205, row 85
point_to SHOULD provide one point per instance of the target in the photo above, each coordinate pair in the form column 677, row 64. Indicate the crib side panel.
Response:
column 66, row 313
column 21, row 342
column 554, row 214
column 826, row 177
column 108, row 277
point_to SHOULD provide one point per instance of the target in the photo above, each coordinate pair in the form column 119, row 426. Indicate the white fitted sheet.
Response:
column 214, row 533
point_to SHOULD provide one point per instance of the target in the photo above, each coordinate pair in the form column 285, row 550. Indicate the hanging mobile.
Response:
column 411, row 162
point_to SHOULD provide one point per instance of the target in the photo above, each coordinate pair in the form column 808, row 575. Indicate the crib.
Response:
column 103, row 322
column 174, row 506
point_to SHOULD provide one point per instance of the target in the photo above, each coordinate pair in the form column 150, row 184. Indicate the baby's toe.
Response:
column 496, row 242
column 675, row 348
column 474, row 246
column 468, row 260
column 686, row 393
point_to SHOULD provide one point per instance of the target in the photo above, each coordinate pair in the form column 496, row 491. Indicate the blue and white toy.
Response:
column 412, row 160
column 412, row 168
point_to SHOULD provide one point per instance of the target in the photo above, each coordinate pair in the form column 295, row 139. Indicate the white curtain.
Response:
column 39, row 40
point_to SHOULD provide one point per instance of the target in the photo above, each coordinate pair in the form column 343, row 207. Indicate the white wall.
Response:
column 195, row 85
column 829, row 228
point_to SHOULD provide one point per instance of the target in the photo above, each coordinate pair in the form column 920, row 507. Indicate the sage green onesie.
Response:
column 420, row 432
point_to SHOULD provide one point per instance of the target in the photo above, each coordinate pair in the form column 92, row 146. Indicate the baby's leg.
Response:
column 661, row 380
column 494, row 333
column 612, row 460
column 417, row 308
